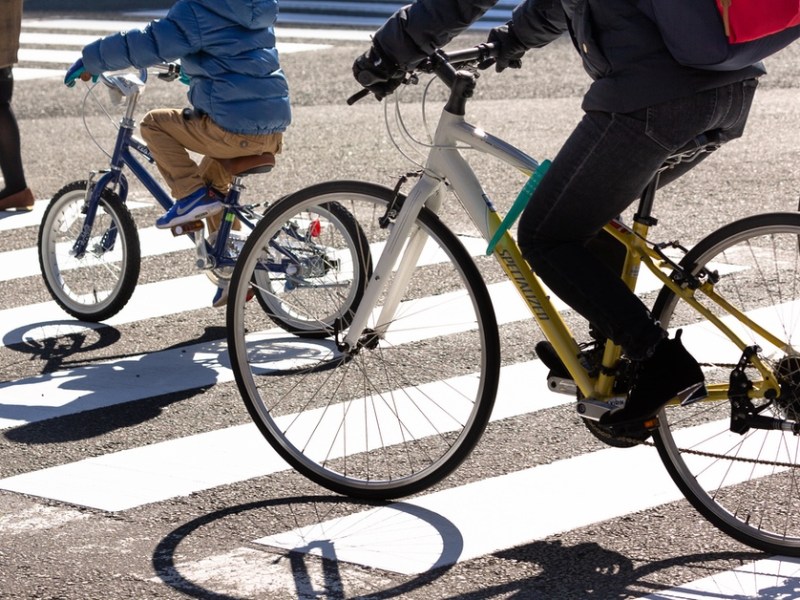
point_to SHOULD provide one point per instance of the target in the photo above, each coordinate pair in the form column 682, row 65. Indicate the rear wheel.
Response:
column 747, row 484
column 315, row 268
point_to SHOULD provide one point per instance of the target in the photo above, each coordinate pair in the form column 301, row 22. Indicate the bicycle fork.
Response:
column 403, row 229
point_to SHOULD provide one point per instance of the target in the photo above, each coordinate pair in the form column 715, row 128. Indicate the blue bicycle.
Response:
column 90, row 254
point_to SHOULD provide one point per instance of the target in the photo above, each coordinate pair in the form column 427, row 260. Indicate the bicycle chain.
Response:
column 637, row 442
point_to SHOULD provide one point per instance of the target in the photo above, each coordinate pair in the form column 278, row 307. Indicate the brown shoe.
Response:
column 21, row 201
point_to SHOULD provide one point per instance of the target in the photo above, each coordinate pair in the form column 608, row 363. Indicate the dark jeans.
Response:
column 10, row 159
column 602, row 168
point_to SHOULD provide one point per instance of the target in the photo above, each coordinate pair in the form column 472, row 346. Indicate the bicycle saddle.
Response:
column 248, row 165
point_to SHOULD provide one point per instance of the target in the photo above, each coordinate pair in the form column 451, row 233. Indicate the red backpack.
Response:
column 724, row 35
column 747, row 20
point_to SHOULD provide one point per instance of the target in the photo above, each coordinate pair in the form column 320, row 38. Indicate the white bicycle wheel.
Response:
column 404, row 409
column 97, row 283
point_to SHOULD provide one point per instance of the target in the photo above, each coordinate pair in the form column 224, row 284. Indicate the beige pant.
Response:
column 169, row 135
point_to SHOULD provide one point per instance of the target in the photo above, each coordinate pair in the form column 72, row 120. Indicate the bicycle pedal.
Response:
column 595, row 409
column 185, row 228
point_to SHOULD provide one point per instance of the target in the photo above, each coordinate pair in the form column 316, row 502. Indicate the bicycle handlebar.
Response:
column 445, row 64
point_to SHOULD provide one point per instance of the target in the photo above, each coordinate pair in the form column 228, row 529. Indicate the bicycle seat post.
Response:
column 644, row 213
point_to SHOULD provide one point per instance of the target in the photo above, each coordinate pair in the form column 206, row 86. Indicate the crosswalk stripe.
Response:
column 153, row 242
column 131, row 378
column 775, row 577
column 46, row 319
column 149, row 301
column 178, row 467
column 493, row 514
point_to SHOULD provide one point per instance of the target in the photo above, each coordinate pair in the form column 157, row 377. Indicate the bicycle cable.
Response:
column 404, row 132
column 90, row 92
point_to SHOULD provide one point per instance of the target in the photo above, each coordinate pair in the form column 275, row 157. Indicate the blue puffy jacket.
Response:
column 226, row 47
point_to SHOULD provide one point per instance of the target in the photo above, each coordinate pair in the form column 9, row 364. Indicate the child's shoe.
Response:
column 221, row 296
column 671, row 371
column 198, row 205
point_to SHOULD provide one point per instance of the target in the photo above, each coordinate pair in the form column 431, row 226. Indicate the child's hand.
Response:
column 78, row 71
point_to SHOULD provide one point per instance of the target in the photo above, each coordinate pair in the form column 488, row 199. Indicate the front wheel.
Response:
column 94, row 280
column 744, row 483
column 405, row 409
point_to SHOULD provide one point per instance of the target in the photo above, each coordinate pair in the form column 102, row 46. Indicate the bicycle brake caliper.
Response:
column 393, row 208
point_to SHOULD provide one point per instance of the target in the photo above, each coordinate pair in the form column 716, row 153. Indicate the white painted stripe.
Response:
column 26, row 74
column 492, row 514
column 133, row 378
column 37, row 38
column 107, row 27
column 152, row 300
column 149, row 301
column 114, row 382
column 776, row 577
column 153, row 242
column 67, row 57
column 10, row 220
column 177, row 467
column 489, row 515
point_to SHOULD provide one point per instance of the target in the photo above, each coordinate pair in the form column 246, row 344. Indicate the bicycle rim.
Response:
column 748, row 485
column 401, row 413
column 314, row 270
column 97, row 283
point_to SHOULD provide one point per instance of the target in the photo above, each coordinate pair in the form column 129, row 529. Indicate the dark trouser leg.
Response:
column 10, row 158
column 602, row 168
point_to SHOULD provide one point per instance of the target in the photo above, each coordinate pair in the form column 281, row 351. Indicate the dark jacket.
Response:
column 620, row 46
column 227, row 48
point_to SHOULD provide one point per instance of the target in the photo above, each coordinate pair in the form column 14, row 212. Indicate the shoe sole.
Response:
column 685, row 396
column 193, row 215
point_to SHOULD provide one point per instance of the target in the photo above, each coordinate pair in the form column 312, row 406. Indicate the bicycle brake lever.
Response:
column 357, row 96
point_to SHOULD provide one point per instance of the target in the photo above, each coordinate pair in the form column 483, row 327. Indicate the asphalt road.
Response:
column 61, row 385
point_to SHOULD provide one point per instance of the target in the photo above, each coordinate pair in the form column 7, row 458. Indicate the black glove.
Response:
column 378, row 73
column 510, row 52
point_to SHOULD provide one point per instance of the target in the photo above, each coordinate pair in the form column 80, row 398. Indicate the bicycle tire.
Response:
column 293, row 301
column 398, row 415
column 744, row 484
column 98, row 284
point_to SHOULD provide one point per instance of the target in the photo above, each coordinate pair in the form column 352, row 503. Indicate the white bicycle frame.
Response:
column 445, row 166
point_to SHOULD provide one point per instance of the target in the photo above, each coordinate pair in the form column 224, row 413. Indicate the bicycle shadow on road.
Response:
column 121, row 390
column 317, row 565
column 311, row 570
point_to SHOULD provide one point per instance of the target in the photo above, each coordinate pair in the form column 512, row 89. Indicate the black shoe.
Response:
column 670, row 372
column 591, row 354
column 547, row 354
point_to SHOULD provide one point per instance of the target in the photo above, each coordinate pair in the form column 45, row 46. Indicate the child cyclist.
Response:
column 238, row 92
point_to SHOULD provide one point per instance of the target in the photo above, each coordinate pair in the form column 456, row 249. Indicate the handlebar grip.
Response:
column 357, row 96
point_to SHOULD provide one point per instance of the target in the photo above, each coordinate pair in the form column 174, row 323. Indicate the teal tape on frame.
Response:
column 520, row 203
